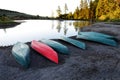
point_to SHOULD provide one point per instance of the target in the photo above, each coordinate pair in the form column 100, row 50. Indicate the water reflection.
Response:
column 70, row 23
column 58, row 26
column 65, row 28
column 78, row 25
column 40, row 29
column 53, row 24
column 81, row 23
column 5, row 30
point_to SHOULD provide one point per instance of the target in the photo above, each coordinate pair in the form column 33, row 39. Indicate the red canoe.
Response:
column 45, row 50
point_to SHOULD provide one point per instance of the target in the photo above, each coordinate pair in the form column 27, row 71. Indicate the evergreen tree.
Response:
column 85, row 4
column 65, row 8
column 92, row 9
column 108, row 9
column 76, row 13
column 52, row 15
column 59, row 11
column 84, row 10
column 70, row 15
column 81, row 4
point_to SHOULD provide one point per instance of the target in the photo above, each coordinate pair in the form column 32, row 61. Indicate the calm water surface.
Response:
column 40, row 29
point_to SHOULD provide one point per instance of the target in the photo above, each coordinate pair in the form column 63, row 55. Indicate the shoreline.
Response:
column 97, row 62
column 9, row 24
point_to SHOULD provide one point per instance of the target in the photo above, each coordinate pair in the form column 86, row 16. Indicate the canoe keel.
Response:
column 21, row 53
column 45, row 50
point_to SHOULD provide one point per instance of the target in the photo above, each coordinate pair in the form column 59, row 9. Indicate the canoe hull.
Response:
column 45, row 50
column 21, row 53
column 98, row 39
column 74, row 42
column 56, row 46
column 97, row 34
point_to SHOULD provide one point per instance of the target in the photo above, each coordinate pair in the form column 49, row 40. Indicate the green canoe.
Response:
column 98, row 39
column 97, row 34
column 56, row 46
column 21, row 53
column 74, row 42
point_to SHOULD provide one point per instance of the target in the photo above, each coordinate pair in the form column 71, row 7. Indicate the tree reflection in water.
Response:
column 58, row 26
column 65, row 28
column 5, row 30
column 78, row 25
column 53, row 24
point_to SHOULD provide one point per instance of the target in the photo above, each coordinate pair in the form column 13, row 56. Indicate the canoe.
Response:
column 21, row 53
column 74, row 42
column 97, row 34
column 98, row 39
column 45, row 50
column 60, row 48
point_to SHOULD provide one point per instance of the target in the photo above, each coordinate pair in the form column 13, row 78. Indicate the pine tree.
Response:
column 81, row 4
column 84, row 10
column 65, row 8
column 59, row 11
column 108, row 9
column 76, row 13
column 92, row 9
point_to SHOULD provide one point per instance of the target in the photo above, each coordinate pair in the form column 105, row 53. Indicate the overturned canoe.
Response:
column 96, row 34
column 56, row 46
column 74, row 42
column 45, row 50
column 98, row 39
column 21, row 52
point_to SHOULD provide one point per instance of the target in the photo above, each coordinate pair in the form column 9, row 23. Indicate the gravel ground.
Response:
column 97, row 62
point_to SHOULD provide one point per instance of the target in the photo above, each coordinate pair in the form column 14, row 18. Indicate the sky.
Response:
column 39, row 7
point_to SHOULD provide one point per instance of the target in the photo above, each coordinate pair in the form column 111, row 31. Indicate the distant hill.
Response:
column 18, row 15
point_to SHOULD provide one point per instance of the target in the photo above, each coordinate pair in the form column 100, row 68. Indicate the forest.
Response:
column 104, row 10
column 94, row 10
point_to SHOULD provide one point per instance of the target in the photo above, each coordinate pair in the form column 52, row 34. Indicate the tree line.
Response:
column 9, row 16
column 93, row 10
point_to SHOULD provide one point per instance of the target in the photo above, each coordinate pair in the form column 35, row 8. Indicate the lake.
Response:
column 40, row 29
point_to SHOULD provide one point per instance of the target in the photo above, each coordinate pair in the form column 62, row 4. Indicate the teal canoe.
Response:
column 74, row 42
column 21, row 53
column 60, row 48
column 98, row 39
column 97, row 34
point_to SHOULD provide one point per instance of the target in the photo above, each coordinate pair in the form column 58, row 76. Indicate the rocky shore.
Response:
column 97, row 62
